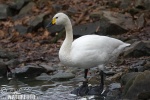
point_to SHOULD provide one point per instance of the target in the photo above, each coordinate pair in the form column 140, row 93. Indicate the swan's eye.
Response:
column 56, row 17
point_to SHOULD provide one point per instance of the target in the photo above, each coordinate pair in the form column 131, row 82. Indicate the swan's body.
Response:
column 91, row 51
column 87, row 51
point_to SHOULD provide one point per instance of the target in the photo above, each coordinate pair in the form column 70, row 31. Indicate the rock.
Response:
column 29, row 71
column 13, row 63
column 22, row 29
column 71, row 10
column 3, row 69
column 142, row 4
column 147, row 65
column 63, row 76
column 47, row 67
column 113, row 23
column 129, row 76
column 37, row 21
column 138, row 66
column 138, row 49
column 114, row 77
column 5, row 11
column 26, row 9
column 113, row 86
column 8, row 54
column 85, row 29
column 43, row 76
column 144, row 96
column 125, row 3
column 141, row 21
column 137, row 85
column 57, row 7
column 46, row 87
column 18, row 4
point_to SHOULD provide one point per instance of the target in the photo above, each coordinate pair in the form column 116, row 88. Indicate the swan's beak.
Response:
column 53, row 22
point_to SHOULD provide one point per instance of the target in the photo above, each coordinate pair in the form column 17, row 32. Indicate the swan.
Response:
column 86, row 51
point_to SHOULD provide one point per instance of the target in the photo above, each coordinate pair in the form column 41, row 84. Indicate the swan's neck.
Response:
column 64, row 53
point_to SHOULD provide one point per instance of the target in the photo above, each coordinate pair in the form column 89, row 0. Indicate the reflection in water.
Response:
column 42, row 90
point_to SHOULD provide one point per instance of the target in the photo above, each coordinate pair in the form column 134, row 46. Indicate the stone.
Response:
column 139, row 66
column 57, row 7
column 137, row 85
column 22, row 29
column 144, row 96
column 18, row 4
column 147, row 65
column 26, row 9
column 62, row 76
column 129, row 76
column 48, row 67
column 85, row 29
column 29, row 71
column 142, row 4
column 43, row 76
column 138, row 49
column 125, row 3
column 3, row 69
column 141, row 21
column 113, row 23
column 5, row 11
column 37, row 22
column 13, row 63
column 8, row 55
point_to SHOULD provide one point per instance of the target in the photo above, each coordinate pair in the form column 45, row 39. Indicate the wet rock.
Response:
column 18, row 4
column 37, row 21
column 63, row 76
column 29, row 71
column 3, row 69
column 22, row 29
column 26, row 9
column 46, row 87
column 138, row 49
column 8, row 54
column 48, row 67
column 86, row 29
column 137, row 85
column 5, row 11
column 113, row 23
column 43, row 76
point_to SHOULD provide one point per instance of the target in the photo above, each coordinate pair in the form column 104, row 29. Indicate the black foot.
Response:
column 82, row 90
column 97, row 90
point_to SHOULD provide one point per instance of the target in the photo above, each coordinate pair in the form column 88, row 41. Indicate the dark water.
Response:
column 39, row 90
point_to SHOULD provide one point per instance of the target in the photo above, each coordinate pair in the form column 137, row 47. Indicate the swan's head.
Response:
column 59, row 19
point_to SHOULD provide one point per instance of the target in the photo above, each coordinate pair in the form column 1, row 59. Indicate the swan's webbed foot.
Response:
column 82, row 90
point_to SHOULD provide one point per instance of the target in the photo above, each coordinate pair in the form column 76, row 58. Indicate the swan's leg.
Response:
column 83, row 89
column 102, row 79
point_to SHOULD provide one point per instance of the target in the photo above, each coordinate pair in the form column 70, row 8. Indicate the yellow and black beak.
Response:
column 53, row 22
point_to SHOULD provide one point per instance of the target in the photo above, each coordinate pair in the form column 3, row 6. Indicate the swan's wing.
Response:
column 91, row 50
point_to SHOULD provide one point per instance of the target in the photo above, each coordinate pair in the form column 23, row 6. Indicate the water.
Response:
column 40, row 90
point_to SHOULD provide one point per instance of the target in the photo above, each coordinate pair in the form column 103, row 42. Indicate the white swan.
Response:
column 87, row 51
